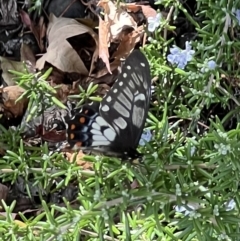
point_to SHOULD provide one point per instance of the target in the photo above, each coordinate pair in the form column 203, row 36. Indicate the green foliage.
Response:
column 38, row 91
column 186, row 188
column 86, row 95
column 36, row 5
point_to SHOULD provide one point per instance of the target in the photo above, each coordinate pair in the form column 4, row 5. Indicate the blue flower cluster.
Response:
column 154, row 22
column 146, row 137
column 181, row 57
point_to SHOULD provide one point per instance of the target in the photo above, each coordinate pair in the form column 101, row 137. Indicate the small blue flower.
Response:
column 237, row 13
column 188, row 52
column 154, row 22
column 146, row 137
column 211, row 64
column 179, row 56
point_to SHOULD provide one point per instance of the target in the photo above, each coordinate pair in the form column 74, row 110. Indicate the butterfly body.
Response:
column 114, row 125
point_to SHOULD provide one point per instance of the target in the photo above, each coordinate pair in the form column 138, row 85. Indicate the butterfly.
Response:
column 114, row 125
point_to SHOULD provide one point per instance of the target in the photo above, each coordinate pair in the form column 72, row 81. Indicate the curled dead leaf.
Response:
column 116, row 22
column 28, row 57
column 79, row 160
column 7, row 64
column 3, row 194
column 59, row 52
column 128, row 42
column 9, row 96
column 103, row 42
column 147, row 10
column 38, row 31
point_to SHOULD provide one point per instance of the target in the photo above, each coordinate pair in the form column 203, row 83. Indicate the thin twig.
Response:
column 190, row 119
column 168, row 20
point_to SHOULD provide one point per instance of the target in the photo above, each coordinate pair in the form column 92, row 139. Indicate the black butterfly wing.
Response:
column 126, row 104
column 115, row 125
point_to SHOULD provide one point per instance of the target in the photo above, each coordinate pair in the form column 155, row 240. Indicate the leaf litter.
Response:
column 79, row 54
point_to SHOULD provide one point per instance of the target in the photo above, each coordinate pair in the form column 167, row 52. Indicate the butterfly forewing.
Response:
column 115, row 126
column 126, row 104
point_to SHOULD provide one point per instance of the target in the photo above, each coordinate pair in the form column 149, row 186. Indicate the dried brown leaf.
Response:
column 62, row 92
column 53, row 136
column 103, row 42
column 3, row 194
column 42, row 33
column 128, row 42
column 28, row 57
column 105, row 5
column 79, row 160
column 4, row 214
column 25, row 18
column 116, row 20
column 132, row 7
column 122, row 21
column 9, row 96
column 94, row 59
column 59, row 52
column 6, row 65
column 38, row 31
column 113, row 66
column 148, row 11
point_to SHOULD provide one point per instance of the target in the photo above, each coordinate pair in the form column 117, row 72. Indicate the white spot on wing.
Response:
column 95, row 126
column 99, row 138
column 105, row 108
column 128, row 93
column 124, row 75
column 122, row 98
column 140, row 97
column 121, row 109
column 101, row 122
column 137, row 117
column 142, row 64
column 115, row 91
column 110, row 134
column 120, row 122
column 128, row 67
column 120, row 83
column 96, row 132
column 130, row 82
column 100, row 143
column 109, row 98
column 145, row 85
column 135, row 78
column 138, row 110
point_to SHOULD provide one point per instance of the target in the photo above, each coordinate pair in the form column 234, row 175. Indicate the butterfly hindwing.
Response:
column 88, row 129
column 115, row 125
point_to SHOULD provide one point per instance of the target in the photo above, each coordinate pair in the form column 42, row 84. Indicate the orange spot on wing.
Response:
column 86, row 111
column 82, row 120
column 71, row 136
column 72, row 127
